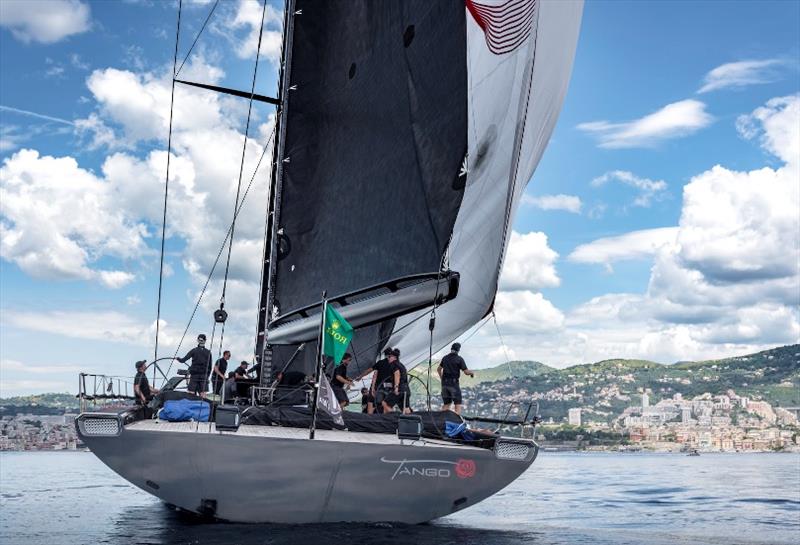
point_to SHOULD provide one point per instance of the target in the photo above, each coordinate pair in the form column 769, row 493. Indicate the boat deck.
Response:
column 280, row 432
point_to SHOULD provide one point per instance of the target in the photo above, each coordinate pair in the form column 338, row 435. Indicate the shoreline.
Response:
column 542, row 451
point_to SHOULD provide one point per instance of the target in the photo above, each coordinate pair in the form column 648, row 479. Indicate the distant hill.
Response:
column 772, row 375
column 38, row 404
column 501, row 372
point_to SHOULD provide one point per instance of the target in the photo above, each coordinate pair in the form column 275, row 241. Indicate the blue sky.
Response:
column 630, row 242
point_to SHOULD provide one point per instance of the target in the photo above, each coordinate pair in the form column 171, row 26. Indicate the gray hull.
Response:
column 278, row 475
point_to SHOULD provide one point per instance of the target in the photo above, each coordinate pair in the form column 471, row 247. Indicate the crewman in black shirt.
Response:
column 340, row 380
column 385, row 380
column 218, row 375
column 403, row 400
column 449, row 370
column 200, row 367
column 231, row 390
column 141, row 386
column 241, row 371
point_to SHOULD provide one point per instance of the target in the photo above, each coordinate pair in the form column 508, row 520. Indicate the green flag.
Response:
column 337, row 334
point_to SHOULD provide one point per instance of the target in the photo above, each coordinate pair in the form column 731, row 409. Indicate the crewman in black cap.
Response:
column 141, row 386
column 449, row 370
column 200, row 367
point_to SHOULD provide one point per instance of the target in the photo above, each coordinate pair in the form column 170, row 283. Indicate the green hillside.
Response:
column 606, row 388
column 603, row 389
column 501, row 372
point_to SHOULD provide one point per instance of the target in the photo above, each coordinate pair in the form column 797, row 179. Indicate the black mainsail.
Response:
column 375, row 140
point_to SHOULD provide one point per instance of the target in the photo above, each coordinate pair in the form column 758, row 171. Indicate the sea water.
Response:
column 51, row 498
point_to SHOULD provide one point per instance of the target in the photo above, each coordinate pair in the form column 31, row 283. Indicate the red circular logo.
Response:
column 465, row 468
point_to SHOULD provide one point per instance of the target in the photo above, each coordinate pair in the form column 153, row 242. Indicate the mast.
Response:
column 267, row 295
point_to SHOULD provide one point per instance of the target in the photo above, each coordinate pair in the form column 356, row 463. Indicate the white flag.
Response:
column 328, row 402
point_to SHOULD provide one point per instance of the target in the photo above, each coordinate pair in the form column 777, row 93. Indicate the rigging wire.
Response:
column 474, row 331
column 503, row 344
column 210, row 13
column 221, row 249
column 166, row 186
column 241, row 171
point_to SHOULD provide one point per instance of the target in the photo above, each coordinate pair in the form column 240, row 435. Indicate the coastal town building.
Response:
column 574, row 417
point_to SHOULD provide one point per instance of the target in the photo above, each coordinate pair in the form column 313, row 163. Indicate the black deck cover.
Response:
column 300, row 417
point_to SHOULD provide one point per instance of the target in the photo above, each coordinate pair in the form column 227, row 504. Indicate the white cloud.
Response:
column 672, row 121
column 44, row 21
column 247, row 20
column 568, row 203
column 774, row 124
column 724, row 282
column 529, row 263
column 634, row 245
column 10, row 388
column 132, row 108
column 14, row 365
column 57, row 218
column 648, row 189
column 76, row 61
column 115, row 279
column 99, row 134
column 10, row 137
column 742, row 74
column 54, row 69
column 107, row 326
column 140, row 102
column 526, row 312
column 743, row 228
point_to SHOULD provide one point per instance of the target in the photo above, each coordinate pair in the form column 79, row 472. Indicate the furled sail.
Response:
column 411, row 130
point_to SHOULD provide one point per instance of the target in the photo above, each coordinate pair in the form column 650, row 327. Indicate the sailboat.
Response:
column 407, row 131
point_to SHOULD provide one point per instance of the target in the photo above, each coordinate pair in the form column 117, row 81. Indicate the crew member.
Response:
column 385, row 379
column 367, row 401
column 218, row 375
column 231, row 391
column 200, row 367
column 141, row 386
column 380, row 364
column 241, row 371
column 388, row 391
column 340, row 381
column 404, row 391
column 449, row 371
